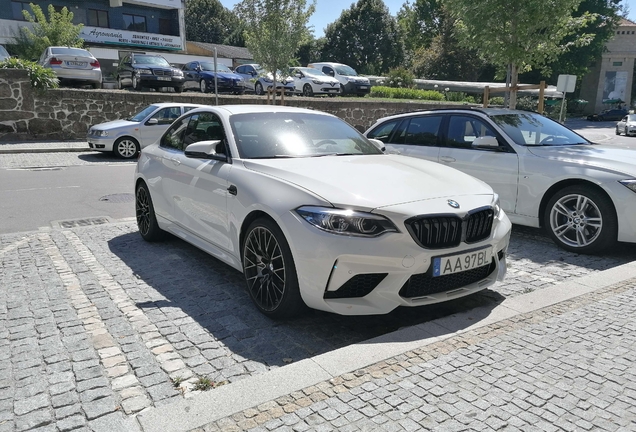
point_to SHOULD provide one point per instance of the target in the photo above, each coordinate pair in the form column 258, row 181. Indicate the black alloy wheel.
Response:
column 258, row 89
column 307, row 90
column 146, row 218
column 269, row 270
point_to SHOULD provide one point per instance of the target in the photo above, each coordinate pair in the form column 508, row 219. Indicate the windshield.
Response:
column 532, row 129
column 152, row 60
column 309, row 71
column 143, row 113
column 207, row 66
column 631, row 118
column 282, row 134
column 346, row 70
column 3, row 53
column 77, row 52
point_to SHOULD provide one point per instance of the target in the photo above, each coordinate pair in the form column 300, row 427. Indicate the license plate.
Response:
column 75, row 63
column 164, row 78
column 363, row 87
column 443, row 266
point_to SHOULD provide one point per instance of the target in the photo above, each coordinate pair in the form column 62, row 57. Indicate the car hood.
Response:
column 605, row 157
column 367, row 182
column 151, row 66
column 226, row 75
column 115, row 124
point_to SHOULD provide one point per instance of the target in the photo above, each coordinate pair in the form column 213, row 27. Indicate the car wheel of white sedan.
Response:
column 618, row 132
column 269, row 271
column 581, row 219
column 307, row 90
column 258, row 89
column 126, row 147
column 146, row 219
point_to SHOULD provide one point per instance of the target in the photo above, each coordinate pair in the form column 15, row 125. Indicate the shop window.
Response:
column 134, row 22
column 98, row 18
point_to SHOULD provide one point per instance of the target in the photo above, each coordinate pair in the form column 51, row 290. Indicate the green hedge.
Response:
column 41, row 77
column 405, row 93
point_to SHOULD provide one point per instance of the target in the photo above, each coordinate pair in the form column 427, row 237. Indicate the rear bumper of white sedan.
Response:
column 367, row 276
column 79, row 75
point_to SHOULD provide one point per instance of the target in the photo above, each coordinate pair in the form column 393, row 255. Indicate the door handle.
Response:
column 175, row 161
column 447, row 159
column 392, row 151
column 232, row 190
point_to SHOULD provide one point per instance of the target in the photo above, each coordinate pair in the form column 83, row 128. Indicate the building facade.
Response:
column 612, row 76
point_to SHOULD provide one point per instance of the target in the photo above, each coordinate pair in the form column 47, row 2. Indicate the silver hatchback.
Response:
column 73, row 65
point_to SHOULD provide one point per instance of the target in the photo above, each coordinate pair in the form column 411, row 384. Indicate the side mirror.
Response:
column 485, row 142
column 332, row 73
column 298, row 74
column 207, row 150
column 379, row 144
column 152, row 122
column 253, row 73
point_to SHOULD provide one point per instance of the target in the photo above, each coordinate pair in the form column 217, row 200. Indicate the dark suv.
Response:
column 148, row 70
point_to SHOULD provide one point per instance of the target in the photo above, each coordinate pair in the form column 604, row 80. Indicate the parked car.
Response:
column 315, row 214
column 259, row 81
column 545, row 174
column 350, row 81
column 127, row 137
column 200, row 75
column 148, row 70
column 3, row 54
column 627, row 125
column 73, row 65
column 610, row 114
column 310, row 81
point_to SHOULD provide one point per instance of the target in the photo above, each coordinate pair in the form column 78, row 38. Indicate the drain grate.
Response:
column 81, row 222
column 118, row 198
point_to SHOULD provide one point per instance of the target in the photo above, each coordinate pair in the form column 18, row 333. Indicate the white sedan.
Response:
column 546, row 175
column 627, row 125
column 127, row 137
column 310, row 81
column 315, row 214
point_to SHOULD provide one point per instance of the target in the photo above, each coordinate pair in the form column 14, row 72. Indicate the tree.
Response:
column 58, row 30
column 520, row 34
column 209, row 21
column 421, row 23
column 365, row 37
column 274, row 29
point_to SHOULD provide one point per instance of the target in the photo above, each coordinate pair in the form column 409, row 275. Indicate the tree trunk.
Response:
column 274, row 89
column 514, row 81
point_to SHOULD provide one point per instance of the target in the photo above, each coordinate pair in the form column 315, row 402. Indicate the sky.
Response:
column 327, row 11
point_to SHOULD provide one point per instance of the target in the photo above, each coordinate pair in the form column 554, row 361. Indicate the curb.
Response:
column 199, row 410
column 46, row 150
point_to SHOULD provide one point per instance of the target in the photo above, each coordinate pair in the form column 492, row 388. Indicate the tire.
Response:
column 136, row 84
column 601, row 118
column 269, row 270
column 203, row 86
column 146, row 218
column 119, row 86
column 97, row 85
column 308, row 91
column 342, row 90
column 258, row 89
column 178, row 89
column 626, row 132
column 581, row 219
column 126, row 148
column 618, row 132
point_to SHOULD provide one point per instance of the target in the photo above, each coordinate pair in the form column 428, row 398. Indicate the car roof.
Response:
column 175, row 104
column 254, row 108
column 325, row 64
column 487, row 111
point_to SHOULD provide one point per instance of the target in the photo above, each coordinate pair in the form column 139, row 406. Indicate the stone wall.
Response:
column 26, row 114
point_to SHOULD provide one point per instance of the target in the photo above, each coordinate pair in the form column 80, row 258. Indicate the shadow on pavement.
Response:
column 214, row 295
column 97, row 157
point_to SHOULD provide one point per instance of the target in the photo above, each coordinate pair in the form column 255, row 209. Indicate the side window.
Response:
column 166, row 116
column 203, row 127
column 240, row 70
column 173, row 138
column 462, row 131
column 327, row 70
column 384, row 131
column 188, row 108
column 421, row 131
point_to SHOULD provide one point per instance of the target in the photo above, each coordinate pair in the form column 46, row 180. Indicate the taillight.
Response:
column 55, row 61
column 95, row 64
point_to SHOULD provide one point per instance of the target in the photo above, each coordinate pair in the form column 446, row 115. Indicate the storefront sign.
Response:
column 128, row 38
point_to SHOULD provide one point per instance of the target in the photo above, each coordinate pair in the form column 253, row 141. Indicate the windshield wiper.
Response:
column 335, row 154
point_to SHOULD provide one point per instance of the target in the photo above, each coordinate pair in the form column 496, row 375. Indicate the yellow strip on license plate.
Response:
column 443, row 266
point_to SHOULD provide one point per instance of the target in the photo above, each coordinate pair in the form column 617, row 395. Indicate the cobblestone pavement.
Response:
column 568, row 367
column 28, row 160
column 95, row 323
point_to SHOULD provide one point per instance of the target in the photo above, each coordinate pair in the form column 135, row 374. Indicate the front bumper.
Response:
column 160, row 81
column 227, row 86
column 104, row 144
column 357, row 88
column 326, row 263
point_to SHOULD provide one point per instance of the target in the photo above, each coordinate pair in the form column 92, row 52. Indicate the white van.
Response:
column 350, row 81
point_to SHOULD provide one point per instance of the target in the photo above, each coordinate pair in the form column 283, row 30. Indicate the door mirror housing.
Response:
column 379, row 144
column 486, row 142
column 152, row 122
column 214, row 150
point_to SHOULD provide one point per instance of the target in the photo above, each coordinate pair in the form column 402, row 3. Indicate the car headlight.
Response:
column 346, row 222
column 98, row 133
column 267, row 80
column 177, row 73
column 316, row 81
column 350, row 79
column 496, row 205
column 629, row 184
column 144, row 71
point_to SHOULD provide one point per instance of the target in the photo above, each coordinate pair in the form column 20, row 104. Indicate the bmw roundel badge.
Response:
column 453, row 204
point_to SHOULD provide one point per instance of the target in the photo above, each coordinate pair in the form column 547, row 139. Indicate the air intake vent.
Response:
column 479, row 225
column 358, row 286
